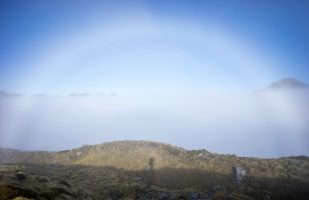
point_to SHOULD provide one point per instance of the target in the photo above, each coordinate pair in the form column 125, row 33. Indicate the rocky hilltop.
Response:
column 288, row 83
column 149, row 170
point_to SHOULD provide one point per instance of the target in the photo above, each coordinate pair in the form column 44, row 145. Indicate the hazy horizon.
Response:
column 260, row 124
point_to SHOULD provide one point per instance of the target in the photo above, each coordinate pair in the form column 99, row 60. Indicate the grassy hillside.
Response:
column 135, row 169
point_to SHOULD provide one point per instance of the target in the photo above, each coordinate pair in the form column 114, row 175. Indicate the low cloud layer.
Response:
column 264, row 124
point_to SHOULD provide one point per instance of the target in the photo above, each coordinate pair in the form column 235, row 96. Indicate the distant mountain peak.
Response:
column 5, row 94
column 288, row 83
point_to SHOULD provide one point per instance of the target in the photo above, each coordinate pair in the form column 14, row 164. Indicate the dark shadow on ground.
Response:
column 88, row 182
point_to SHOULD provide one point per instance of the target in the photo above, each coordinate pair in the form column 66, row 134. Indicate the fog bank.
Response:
column 262, row 124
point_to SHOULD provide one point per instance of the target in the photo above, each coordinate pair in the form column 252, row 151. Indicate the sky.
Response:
column 178, row 72
column 60, row 47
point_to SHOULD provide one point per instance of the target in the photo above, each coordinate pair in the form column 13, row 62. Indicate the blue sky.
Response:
column 60, row 47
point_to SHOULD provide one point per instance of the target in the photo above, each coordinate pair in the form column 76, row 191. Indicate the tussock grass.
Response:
column 135, row 170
